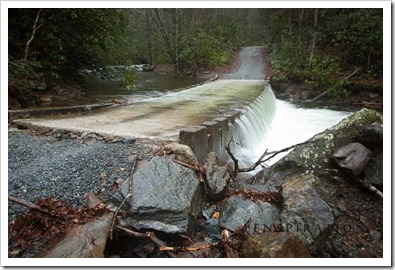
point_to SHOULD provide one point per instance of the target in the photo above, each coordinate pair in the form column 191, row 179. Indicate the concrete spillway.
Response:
column 162, row 117
column 205, row 117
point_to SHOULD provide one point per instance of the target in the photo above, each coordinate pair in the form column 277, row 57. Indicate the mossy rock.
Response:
column 315, row 157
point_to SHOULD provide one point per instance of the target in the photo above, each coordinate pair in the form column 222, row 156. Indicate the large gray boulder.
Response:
column 237, row 211
column 305, row 213
column 165, row 197
column 314, row 157
column 352, row 158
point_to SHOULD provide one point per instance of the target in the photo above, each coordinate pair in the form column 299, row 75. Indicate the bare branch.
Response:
column 148, row 235
column 26, row 203
column 130, row 178
column 262, row 159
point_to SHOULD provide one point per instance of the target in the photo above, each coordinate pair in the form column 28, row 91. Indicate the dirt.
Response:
column 358, row 230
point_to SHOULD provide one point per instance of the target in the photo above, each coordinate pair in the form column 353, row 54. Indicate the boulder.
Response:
column 236, row 212
column 217, row 176
column 166, row 197
column 305, row 213
column 352, row 158
column 374, row 169
column 371, row 136
column 180, row 152
column 315, row 157
column 275, row 245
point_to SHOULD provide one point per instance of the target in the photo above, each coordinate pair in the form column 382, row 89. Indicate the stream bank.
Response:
column 343, row 218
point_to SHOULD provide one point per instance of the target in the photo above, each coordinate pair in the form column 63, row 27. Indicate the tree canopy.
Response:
column 318, row 46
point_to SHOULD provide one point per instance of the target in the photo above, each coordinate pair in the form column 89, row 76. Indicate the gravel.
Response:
column 66, row 169
column 251, row 65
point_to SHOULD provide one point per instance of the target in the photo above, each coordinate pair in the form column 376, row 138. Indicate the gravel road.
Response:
column 251, row 65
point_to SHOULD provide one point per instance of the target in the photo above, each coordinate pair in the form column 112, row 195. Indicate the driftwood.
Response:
column 261, row 160
column 83, row 241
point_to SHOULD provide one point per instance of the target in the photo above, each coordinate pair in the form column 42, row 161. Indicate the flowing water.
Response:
column 163, row 104
column 271, row 124
column 148, row 85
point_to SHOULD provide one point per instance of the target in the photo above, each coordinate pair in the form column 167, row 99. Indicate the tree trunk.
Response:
column 35, row 28
column 148, row 36
column 314, row 39
column 165, row 35
column 300, row 30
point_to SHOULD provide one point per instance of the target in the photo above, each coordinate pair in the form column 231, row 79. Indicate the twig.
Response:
column 365, row 182
column 27, row 204
column 149, row 235
column 130, row 178
column 199, row 169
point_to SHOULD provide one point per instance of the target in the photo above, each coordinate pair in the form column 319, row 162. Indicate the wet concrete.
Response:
column 162, row 118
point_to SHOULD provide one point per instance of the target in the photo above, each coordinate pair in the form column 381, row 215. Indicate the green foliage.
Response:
column 130, row 76
column 23, row 76
column 321, row 49
column 67, row 39
column 323, row 74
column 203, row 50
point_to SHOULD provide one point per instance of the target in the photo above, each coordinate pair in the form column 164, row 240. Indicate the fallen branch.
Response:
column 130, row 179
column 262, row 159
column 365, row 182
column 150, row 236
column 273, row 197
column 345, row 78
column 27, row 204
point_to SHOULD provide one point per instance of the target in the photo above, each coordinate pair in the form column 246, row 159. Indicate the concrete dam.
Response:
column 206, row 117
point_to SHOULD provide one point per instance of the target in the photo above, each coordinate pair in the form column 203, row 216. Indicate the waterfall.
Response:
column 251, row 126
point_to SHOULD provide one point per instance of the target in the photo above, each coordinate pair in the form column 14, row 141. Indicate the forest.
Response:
column 340, row 50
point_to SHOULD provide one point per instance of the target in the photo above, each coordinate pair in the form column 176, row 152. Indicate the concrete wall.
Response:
column 211, row 136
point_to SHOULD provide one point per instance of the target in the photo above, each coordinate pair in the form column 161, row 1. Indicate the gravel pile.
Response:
column 66, row 169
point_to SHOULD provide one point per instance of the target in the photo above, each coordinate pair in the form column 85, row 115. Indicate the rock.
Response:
column 217, row 176
column 83, row 241
column 374, row 169
column 371, row 136
column 181, row 152
column 91, row 200
column 22, row 126
column 306, row 213
column 314, row 157
column 352, row 158
column 237, row 212
column 166, row 197
column 275, row 245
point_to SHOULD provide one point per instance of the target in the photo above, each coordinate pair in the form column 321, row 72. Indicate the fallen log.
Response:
column 83, row 241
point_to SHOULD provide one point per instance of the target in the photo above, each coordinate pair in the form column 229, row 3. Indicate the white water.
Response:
column 270, row 124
